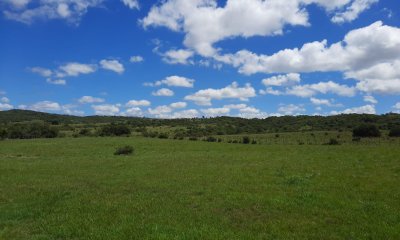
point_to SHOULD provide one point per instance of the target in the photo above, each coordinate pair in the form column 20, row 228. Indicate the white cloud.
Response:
column 112, row 65
column 204, row 97
column 165, row 92
column 370, row 99
column 136, row 59
column 271, row 91
column 56, row 81
column 326, row 102
column 174, row 81
column 134, row 112
column 178, row 105
column 180, row 56
column 367, row 109
column 44, row 72
column 369, row 55
column 309, row 90
column 106, row 109
column 160, row 111
column 205, row 23
column 5, row 106
column 352, row 11
column 291, row 109
column 43, row 106
column 396, row 107
column 68, row 10
column 132, row 4
column 90, row 99
column 138, row 103
column 75, row 69
column 236, row 106
column 282, row 80
column 4, row 100
column 213, row 112
column 190, row 113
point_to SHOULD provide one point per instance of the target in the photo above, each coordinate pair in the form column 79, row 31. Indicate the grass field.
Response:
column 75, row 188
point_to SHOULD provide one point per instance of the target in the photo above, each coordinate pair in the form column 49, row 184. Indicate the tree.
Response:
column 366, row 130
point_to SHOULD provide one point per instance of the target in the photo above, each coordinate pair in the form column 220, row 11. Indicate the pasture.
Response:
column 76, row 188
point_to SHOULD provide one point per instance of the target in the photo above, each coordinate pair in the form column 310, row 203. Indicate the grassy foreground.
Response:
column 77, row 189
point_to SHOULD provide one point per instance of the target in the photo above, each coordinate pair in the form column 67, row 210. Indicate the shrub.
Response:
column 163, row 136
column 192, row 138
column 253, row 141
column 333, row 141
column 125, row 150
column 115, row 130
column 84, row 132
column 394, row 132
column 276, row 135
column 366, row 130
column 211, row 139
column 246, row 140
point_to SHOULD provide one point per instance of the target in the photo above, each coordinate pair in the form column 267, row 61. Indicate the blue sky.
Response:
column 181, row 58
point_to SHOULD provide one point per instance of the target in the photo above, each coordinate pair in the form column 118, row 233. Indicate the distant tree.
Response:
column 246, row 140
column 366, row 130
column 115, row 130
column 395, row 132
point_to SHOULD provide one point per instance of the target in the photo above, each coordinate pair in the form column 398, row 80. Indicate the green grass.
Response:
column 78, row 189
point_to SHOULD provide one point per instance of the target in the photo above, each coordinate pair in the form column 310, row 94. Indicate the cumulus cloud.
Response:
column 4, row 100
column 282, row 80
column 75, row 69
column 205, row 23
column 309, row 90
column 44, row 72
column 353, row 10
column 138, row 103
column 90, row 99
column 180, row 56
column 178, row 105
column 132, row 4
column 106, row 109
column 204, row 97
column 112, row 65
column 68, row 10
column 163, row 92
column 190, row 113
column 370, row 99
column 160, row 111
column 5, row 106
column 42, row 106
column 136, row 59
column 291, row 109
column 367, row 109
column 174, row 81
column 325, row 102
column 396, row 107
column 214, row 112
column 133, row 112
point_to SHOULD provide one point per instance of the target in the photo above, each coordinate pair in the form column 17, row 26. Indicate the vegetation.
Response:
column 395, row 132
column 366, row 130
column 76, row 188
column 126, row 150
column 115, row 130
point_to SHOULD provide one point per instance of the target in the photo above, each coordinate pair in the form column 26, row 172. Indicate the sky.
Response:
column 195, row 58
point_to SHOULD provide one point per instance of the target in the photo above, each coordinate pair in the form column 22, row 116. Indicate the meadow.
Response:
column 76, row 188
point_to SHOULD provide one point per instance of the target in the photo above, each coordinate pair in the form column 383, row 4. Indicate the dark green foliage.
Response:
column 333, row 141
column 115, row 130
column 253, row 141
column 246, row 140
column 395, row 132
column 211, row 139
column 163, row 136
column 84, row 132
column 366, row 130
column 37, row 129
column 192, row 138
column 125, row 150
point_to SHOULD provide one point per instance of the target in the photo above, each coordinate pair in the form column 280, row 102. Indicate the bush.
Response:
column 246, row 140
column 394, row 132
column 84, row 132
column 192, row 138
column 366, row 130
column 333, row 141
column 115, row 130
column 253, row 141
column 163, row 136
column 126, row 150
column 211, row 139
